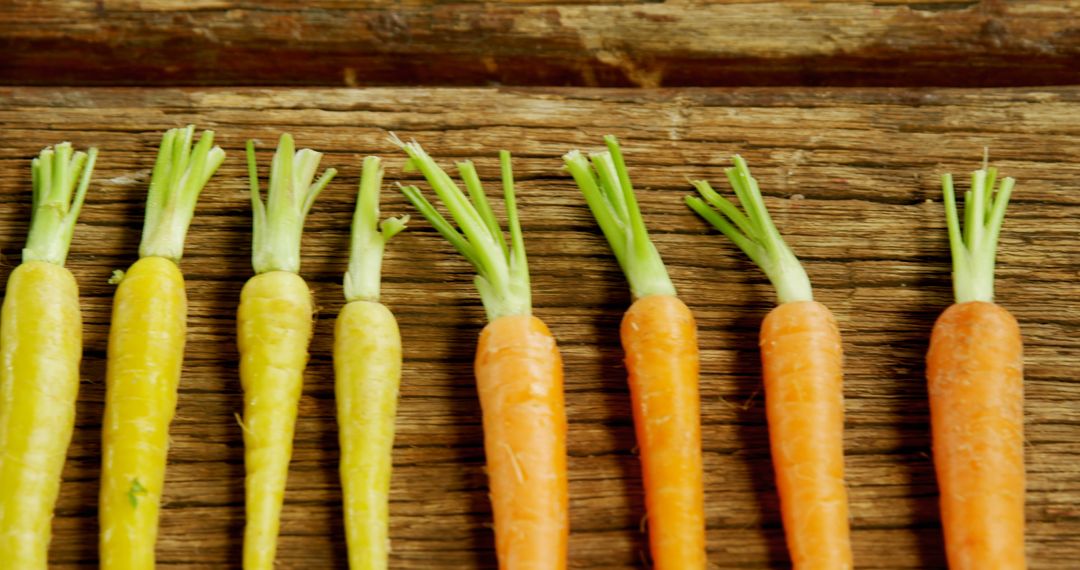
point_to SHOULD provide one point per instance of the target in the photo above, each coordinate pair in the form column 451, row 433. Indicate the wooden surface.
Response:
column 541, row 42
column 851, row 177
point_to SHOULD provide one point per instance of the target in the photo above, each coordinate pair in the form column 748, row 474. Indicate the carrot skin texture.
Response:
column 367, row 375
column 976, row 388
column 40, row 347
column 659, row 337
column 274, row 323
column 145, row 356
column 802, row 359
column 520, row 381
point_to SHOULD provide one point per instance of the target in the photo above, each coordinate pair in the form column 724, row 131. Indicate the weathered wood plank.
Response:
column 541, row 42
column 851, row 176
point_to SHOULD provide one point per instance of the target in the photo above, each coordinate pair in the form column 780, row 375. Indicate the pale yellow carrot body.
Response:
column 145, row 356
column 40, row 347
column 274, row 328
column 367, row 371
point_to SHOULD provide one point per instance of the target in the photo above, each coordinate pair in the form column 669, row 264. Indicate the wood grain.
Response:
column 850, row 175
column 541, row 42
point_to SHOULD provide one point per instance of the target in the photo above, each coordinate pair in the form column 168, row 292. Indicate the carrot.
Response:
column 659, row 337
column 274, row 324
column 518, row 371
column 40, row 350
column 146, row 352
column 976, row 387
column 803, row 371
column 367, row 372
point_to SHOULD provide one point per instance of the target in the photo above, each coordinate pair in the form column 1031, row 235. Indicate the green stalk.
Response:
column 753, row 231
column 179, row 176
column 974, row 246
column 502, row 270
column 369, row 236
column 57, row 201
column 278, row 224
column 610, row 196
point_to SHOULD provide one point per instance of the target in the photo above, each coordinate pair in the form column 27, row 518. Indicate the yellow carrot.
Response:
column 367, row 372
column 273, row 331
column 40, row 349
column 145, row 355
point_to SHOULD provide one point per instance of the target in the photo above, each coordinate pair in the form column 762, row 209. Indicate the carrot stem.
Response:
column 57, row 201
column 605, row 182
column 279, row 222
column 180, row 173
column 754, row 232
column 974, row 244
column 502, row 272
column 369, row 236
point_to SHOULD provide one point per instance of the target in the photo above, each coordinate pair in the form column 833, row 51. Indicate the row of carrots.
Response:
column 973, row 367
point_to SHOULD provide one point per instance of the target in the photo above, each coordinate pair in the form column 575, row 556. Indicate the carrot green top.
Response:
column 974, row 245
column 56, row 201
column 180, row 173
column 753, row 231
column 502, row 269
column 607, row 189
column 279, row 223
column 369, row 236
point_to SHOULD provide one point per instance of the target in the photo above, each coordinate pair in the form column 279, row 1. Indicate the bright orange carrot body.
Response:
column 802, row 361
column 976, row 388
column 519, row 378
column 659, row 337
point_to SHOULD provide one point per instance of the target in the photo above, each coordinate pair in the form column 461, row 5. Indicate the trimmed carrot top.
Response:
column 753, row 231
column 369, row 236
column 180, row 173
column 57, row 201
column 279, row 223
column 610, row 195
column 502, row 269
column 974, row 245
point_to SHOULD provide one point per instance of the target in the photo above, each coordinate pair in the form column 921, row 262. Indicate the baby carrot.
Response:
column 659, row 337
column 803, row 371
column 518, row 371
column 145, row 354
column 976, row 387
column 367, row 372
column 273, row 330
column 40, row 348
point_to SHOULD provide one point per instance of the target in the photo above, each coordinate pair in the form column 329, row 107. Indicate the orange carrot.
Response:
column 659, row 337
column 976, row 388
column 518, row 371
column 803, row 369
column 519, row 378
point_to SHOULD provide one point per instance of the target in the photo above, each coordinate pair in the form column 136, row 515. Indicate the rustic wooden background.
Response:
column 851, row 173
column 646, row 43
column 851, row 176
